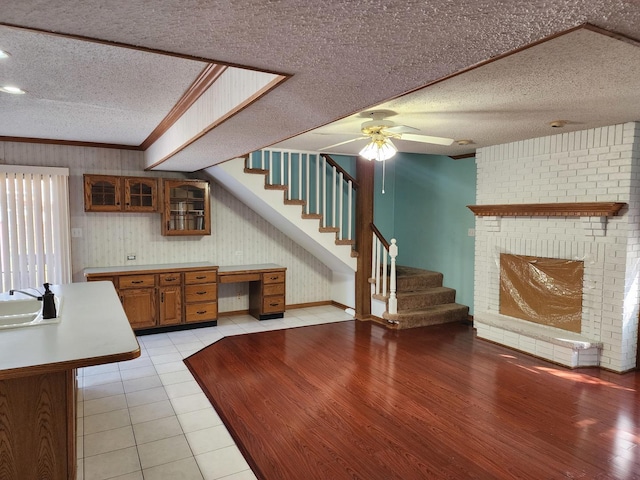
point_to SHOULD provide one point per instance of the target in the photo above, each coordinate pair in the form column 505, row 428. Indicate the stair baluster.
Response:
column 393, row 301
column 382, row 253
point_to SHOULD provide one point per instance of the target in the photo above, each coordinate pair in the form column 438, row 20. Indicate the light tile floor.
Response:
column 148, row 419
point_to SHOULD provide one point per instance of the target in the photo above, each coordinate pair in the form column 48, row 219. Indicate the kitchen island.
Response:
column 38, row 378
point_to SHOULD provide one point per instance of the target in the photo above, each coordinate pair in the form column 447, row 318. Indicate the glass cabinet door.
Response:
column 140, row 194
column 186, row 208
column 102, row 193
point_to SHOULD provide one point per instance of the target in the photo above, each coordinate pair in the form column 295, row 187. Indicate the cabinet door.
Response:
column 140, row 306
column 185, row 209
column 170, row 305
column 140, row 194
column 102, row 193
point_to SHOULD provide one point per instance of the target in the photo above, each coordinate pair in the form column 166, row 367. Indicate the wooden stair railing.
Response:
column 384, row 253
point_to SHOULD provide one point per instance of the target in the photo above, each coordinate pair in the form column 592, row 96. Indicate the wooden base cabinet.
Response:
column 267, row 297
column 166, row 298
column 201, row 296
column 38, row 427
column 138, row 296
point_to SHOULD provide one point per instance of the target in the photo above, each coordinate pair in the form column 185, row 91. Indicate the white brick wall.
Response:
column 596, row 165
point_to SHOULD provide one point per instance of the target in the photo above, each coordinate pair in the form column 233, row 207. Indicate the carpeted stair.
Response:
column 423, row 301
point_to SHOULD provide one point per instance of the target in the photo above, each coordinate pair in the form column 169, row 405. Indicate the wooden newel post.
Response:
column 393, row 301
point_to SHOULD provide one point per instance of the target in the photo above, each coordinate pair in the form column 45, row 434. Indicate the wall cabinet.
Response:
column 110, row 193
column 102, row 193
column 185, row 207
column 140, row 194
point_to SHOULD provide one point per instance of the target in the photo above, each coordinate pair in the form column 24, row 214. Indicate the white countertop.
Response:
column 93, row 329
column 243, row 268
column 136, row 268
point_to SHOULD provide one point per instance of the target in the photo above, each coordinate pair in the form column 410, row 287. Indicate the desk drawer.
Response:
column 207, row 276
column 136, row 281
column 201, row 293
column 274, row 277
column 274, row 289
column 273, row 304
column 239, row 277
column 201, row 312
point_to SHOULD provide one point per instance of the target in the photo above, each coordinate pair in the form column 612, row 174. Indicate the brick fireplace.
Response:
column 588, row 185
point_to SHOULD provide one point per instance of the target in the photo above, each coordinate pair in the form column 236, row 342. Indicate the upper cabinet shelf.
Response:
column 110, row 193
column 578, row 209
column 185, row 207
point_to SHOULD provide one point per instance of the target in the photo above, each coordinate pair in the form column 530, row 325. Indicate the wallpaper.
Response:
column 239, row 235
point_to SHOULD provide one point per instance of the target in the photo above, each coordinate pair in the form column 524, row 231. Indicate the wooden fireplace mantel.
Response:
column 577, row 209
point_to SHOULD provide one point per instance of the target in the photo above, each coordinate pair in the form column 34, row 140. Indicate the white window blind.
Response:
column 34, row 226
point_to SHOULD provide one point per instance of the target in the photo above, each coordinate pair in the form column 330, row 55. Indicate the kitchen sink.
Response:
column 19, row 312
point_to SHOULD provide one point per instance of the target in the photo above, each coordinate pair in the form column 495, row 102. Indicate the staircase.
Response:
column 272, row 201
column 423, row 301
column 311, row 199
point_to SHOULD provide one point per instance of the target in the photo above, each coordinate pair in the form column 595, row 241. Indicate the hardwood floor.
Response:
column 353, row 400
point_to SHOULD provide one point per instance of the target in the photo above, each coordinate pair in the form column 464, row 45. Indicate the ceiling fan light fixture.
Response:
column 379, row 150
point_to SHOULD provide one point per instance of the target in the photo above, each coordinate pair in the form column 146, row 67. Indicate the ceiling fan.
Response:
column 379, row 132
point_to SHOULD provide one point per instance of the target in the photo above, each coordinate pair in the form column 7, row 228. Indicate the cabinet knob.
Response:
column 201, row 312
column 201, row 277
column 137, row 281
column 200, row 293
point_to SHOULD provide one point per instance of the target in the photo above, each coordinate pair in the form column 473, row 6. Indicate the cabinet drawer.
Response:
column 201, row 312
column 274, row 289
column 201, row 293
column 239, row 277
column 275, row 277
column 273, row 304
column 136, row 281
column 170, row 279
column 200, row 277
column 101, row 279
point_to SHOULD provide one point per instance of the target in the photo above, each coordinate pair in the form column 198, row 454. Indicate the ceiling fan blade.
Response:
column 402, row 129
column 426, row 139
column 342, row 143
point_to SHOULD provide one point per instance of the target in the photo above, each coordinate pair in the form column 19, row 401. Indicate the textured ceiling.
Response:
column 344, row 56
column 584, row 78
column 85, row 91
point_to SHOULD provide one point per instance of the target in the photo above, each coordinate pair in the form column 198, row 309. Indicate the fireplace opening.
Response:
column 546, row 291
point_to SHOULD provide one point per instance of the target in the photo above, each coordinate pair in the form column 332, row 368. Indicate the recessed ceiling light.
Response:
column 558, row 123
column 4, row 54
column 13, row 90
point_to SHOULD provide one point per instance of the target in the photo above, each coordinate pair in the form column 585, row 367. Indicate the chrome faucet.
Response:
column 37, row 297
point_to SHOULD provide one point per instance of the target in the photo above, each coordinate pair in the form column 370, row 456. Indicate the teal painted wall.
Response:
column 430, row 219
